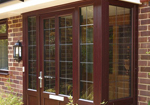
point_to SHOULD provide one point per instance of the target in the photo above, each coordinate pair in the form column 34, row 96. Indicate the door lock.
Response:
column 40, row 78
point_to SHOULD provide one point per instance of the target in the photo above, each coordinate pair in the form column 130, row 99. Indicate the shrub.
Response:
column 71, row 101
column 10, row 98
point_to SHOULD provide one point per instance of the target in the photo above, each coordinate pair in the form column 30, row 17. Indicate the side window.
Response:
column 86, row 53
column 3, row 48
column 120, row 50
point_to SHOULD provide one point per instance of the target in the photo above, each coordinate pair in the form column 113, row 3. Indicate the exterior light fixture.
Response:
column 18, row 51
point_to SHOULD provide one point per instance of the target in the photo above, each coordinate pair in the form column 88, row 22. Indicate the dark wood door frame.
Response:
column 25, row 60
column 54, row 15
column 101, row 24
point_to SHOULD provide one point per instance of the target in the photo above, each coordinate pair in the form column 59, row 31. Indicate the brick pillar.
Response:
column 144, row 59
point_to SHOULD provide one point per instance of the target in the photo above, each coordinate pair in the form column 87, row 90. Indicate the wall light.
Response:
column 18, row 51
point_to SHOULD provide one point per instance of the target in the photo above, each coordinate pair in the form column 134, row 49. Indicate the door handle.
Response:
column 40, row 78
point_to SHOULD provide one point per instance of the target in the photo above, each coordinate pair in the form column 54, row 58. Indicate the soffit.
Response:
column 14, row 8
column 132, row 1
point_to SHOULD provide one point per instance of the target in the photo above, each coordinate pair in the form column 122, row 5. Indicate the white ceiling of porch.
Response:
column 14, row 8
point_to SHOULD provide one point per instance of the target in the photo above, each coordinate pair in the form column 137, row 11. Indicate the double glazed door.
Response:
column 56, row 57
column 50, row 78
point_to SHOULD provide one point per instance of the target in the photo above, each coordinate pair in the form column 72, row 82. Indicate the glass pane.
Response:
column 87, row 34
column 49, row 55
column 32, row 81
column 46, row 24
column 49, row 36
column 49, row 81
column 90, row 15
column 65, row 54
column 4, row 54
column 32, row 74
column 32, row 53
column 68, row 20
column 66, row 87
column 49, row 52
column 32, row 67
column 86, row 72
column 66, row 35
column 31, row 23
column 86, row 16
column 66, row 69
column 120, row 39
column 83, row 16
column 86, row 53
column 86, row 90
column 31, row 38
column 2, row 28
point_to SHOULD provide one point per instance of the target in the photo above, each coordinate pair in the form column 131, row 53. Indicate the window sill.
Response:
column 4, row 72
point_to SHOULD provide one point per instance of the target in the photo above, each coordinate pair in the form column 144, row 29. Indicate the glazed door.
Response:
column 55, row 76
column 31, row 83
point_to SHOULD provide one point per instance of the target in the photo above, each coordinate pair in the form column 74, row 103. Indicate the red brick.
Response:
column 145, row 45
column 143, row 39
column 12, row 68
column 145, row 81
column 15, row 30
column 140, row 86
column 145, row 33
column 142, row 16
column 144, row 93
column 145, row 57
column 19, row 77
column 143, row 99
column 142, row 63
column 141, row 28
column 143, row 103
column 144, row 10
column 144, row 22
column 18, row 25
column 15, row 64
column 142, row 75
column 15, row 21
column 142, row 51
column 145, row 69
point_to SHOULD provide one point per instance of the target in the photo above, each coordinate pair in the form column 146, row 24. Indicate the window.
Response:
column 120, row 47
column 65, row 36
column 86, row 53
column 3, row 48
column 32, row 52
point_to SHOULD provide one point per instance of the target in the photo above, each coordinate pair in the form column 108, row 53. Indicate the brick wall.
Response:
column 15, row 73
column 144, row 59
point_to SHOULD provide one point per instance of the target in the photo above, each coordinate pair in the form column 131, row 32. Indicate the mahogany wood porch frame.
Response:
column 101, row 50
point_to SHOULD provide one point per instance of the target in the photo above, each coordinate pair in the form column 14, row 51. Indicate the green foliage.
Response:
column 148, row 52
column 149, row 103
column 103, row 103
column 71, row 101
column 3, row 28
column 10, row 98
